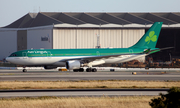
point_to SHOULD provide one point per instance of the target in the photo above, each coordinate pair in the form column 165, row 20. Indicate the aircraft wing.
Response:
column 93, row 58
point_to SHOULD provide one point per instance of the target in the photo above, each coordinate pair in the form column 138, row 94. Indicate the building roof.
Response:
column 74, row 19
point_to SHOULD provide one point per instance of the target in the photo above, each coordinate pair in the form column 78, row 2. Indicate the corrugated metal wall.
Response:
column 110, row 38
column 64, row 38
column 87, row 38
column 131, row 36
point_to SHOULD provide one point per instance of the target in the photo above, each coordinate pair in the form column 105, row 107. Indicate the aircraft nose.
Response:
column 7, row 59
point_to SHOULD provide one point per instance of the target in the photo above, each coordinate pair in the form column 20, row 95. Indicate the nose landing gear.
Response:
column 24, row 70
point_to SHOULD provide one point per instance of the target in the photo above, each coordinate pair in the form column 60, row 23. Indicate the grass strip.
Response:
column 77, row 102
column 87, row 84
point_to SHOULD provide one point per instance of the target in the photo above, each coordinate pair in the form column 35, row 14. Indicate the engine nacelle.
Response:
column 74, row 64
column 50, row 67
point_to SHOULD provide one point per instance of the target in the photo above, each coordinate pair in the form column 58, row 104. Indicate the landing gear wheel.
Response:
column 94, row 70
column 88, row 70
column 24, row 70
column 81, row 70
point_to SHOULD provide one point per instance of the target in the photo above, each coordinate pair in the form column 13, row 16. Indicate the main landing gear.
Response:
column 91, row 70
column 87, row 70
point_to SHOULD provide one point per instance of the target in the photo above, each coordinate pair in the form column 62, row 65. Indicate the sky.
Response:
column 11, row 10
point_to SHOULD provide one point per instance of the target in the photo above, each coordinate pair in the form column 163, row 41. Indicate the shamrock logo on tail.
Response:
column 151, row 37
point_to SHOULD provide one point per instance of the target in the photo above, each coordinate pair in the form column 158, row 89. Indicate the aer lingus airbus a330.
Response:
column 75, row 59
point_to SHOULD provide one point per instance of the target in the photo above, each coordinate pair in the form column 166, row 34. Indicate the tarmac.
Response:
column 55, row 75
column 81, row 92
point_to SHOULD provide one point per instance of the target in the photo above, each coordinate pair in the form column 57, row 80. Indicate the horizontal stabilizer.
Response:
column 149, row 51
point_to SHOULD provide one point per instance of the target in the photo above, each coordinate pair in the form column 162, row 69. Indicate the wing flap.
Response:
column 92, row 58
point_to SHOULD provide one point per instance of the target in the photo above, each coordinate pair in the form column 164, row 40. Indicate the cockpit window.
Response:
column 13, row 55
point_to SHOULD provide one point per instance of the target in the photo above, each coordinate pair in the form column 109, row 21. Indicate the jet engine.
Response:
column 50, row 67
column 73, row 64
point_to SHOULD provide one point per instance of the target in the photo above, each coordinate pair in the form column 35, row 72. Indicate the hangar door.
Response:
column 21, row 40
column 87, row 38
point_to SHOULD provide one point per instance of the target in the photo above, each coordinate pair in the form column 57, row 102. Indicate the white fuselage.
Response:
column 57, row 61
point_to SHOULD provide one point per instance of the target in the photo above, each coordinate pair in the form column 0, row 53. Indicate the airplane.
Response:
column 76, row 59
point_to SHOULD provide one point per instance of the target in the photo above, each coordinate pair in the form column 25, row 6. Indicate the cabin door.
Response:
column 24, row 55
column 49, row 54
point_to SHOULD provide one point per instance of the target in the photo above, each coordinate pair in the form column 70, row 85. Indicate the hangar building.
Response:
column 57, row 30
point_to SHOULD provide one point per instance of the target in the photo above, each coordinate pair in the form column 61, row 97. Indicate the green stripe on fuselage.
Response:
column 78, row 52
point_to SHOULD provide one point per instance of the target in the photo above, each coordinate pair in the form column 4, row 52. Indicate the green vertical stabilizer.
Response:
column 149, row 39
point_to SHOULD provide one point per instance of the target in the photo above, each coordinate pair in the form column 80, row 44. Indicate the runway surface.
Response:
column 81, row 92
column 53, row 75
